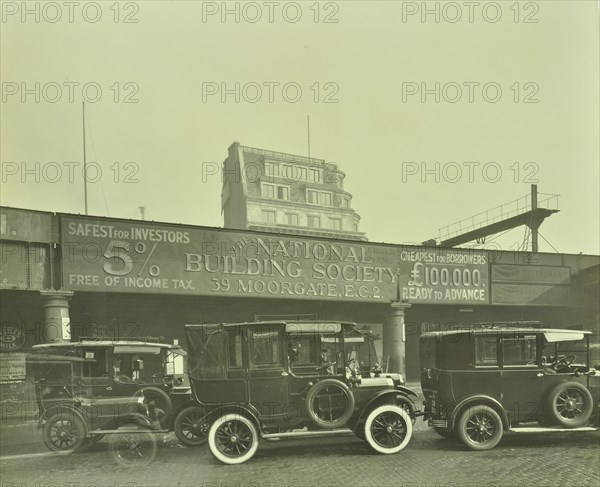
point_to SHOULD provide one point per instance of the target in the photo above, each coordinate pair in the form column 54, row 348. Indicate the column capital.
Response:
column 51, row 293
column 398, row 307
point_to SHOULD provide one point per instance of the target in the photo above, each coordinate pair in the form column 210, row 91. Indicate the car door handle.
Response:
column 285, row 374
column 540, row 374
column 109, row 388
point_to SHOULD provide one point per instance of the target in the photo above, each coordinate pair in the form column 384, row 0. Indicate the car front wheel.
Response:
column 233, row 439
column 64, row 432
column 480, row 427
column 388, row 429
column 570, row 405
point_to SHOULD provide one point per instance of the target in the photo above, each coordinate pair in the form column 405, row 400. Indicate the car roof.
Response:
column 551, row 334
column 274, row 322
column 105, row 343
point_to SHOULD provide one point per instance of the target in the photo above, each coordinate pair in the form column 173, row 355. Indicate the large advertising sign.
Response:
column 139, row 257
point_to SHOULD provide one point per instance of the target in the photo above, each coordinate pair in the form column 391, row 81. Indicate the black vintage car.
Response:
column 267, row 380
column 91, row 387
column 490, row 378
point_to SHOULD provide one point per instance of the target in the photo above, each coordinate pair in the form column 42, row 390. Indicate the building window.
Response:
column 335, row 223
column 314, row 197
column 271, row 169
column 275, row 191
column 292, row 219
column 270, row 217
column 313, row 175
column 292, row 172
column 345, row 202
column 314, row 221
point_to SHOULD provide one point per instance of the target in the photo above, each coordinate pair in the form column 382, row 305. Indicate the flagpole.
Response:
column 84, row 163
column 308, row 131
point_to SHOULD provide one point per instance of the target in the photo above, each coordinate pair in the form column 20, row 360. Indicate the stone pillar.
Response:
column 396, row 338
column 57, row 324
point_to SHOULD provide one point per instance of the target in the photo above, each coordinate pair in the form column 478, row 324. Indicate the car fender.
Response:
column 386, row 394
column 235, row 408
column 479, row 399
column 55, row 408
column 407, row 391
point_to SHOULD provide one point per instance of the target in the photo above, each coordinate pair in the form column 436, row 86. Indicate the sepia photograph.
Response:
column 300, row 243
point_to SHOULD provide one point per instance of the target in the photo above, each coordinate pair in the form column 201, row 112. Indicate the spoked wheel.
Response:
column 136, row 449
column 64, row 432
column 388, row 429
column 480, row 428
column 330, row 403
column 191, row 428
column 233, row 439
column 571, row 405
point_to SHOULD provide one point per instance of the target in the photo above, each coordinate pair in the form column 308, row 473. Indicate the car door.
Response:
column 521, row 377
column 267, row 369
column 95, row 374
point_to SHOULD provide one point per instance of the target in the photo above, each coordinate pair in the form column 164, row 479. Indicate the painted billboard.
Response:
column 141, row 257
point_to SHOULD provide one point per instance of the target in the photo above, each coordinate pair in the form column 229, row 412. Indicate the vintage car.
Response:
column 267, row 380
column 487, row 379
column 92, row 387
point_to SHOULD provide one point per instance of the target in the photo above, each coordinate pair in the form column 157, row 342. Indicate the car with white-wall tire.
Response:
column 284, row 379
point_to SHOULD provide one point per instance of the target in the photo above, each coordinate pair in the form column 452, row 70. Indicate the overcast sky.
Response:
column 361, row 68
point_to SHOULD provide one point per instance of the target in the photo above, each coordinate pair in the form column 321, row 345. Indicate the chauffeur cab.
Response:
column 268, row 380
column 487, row 379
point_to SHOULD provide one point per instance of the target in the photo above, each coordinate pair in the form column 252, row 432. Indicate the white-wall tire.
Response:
column 388, row 429
column 233, row 439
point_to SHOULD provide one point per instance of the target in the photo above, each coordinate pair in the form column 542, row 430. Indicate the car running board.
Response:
column 540, row 429
column 125, row 430
column 307, row 434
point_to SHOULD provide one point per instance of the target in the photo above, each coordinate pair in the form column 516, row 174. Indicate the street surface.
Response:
column 533, row 459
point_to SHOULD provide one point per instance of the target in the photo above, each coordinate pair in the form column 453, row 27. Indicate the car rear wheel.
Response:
column 162, row 403
column 233, row 439
column 65, row 431
column 570, row 405
column 480, row 427
column 191, row 428
column 330, row 403
column 388, row 429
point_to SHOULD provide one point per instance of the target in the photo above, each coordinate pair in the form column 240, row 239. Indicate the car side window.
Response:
column 234, row 349
column 96, row 363
column 486, row 351
column 264, row 347
column 520, row 351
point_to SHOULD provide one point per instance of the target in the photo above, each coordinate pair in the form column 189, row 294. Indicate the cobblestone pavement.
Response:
column 536, row 459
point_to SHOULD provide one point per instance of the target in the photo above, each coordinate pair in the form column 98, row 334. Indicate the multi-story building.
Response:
column 285, row 193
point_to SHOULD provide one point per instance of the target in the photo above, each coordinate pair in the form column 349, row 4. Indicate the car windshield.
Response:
column 576, row 348
column 139, row 368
